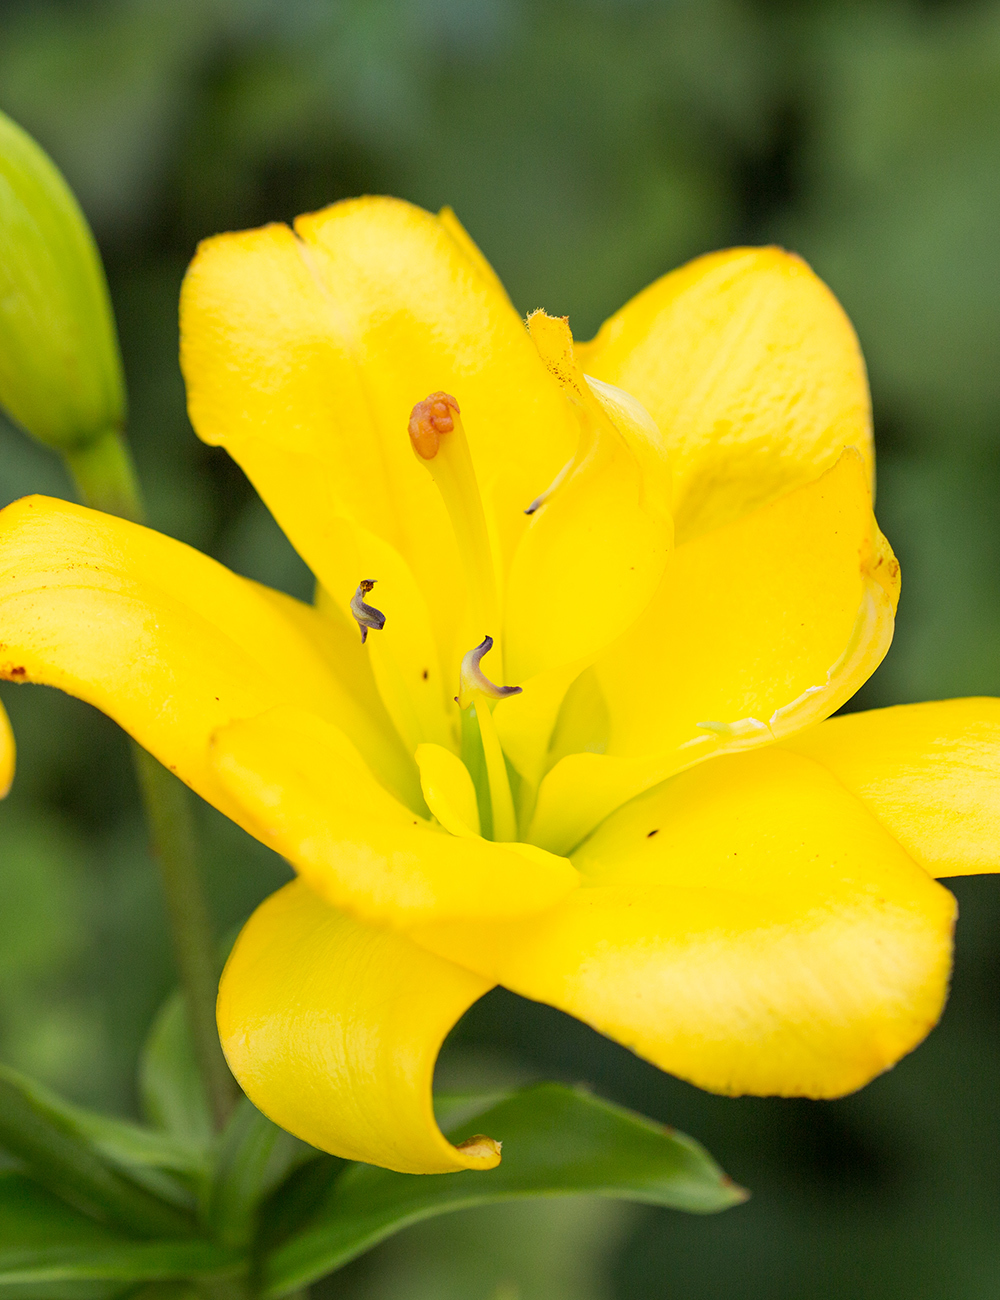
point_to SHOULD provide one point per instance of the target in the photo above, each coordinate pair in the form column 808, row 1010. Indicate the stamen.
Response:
column 474, row 691
column 367, row 616
column 541, row 499
column 440, row 444
column 430, row 419
column 554, row 340
column 474, row 679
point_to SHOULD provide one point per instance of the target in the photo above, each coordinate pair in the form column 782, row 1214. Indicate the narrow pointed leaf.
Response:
column 173, row 1096
column 556, row 1141
column 254, row 1157
column 51, row 1251
column 125, row 1262
column 46, row 1134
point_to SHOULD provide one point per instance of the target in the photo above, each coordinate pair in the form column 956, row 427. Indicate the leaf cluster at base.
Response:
column 96, row 1208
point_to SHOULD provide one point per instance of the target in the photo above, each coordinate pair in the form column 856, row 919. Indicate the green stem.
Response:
column 168, row 811
column 106, row 479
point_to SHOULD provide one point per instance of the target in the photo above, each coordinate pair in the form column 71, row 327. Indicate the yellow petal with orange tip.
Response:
column 302, row 788
column 752, row 371
column 332, row 1028
column 170, row 644
column 759, row 629
column 929, row 772
column 747, row 925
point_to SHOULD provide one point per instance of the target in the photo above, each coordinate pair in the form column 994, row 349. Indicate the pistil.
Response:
column 476, row 690
column 439, row 441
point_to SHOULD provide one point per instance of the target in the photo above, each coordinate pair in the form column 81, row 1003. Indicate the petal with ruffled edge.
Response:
column 751, row 369
column 332, row 1028
column 758, row 630
column 171, row 644
column 748, row 926
column 929, row 772
column 302, row 788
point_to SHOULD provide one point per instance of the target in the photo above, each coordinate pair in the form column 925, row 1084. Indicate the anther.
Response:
column 367, row 616
column 474, row 679
column 429, row 420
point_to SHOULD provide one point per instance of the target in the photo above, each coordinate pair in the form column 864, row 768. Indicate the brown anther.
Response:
column 430, row 419
column 367, row 616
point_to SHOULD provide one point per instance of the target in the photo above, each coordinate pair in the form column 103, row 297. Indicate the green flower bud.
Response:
column 60, row 370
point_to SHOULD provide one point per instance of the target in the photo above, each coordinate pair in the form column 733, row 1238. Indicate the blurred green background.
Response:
column 587, row 147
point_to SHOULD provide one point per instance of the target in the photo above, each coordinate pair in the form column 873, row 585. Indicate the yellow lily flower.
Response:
column 528, row 735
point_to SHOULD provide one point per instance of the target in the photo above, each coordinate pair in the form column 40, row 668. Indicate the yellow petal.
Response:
column 332, row 1028
column 524, row 722
column 304, row 354
column 929, row 772
column 758, row 630
column 168, row 642
column 594, row 551
column 8, row 753
column 303, row 789
column 748, row 926
column 448, row 790
column 753, row 373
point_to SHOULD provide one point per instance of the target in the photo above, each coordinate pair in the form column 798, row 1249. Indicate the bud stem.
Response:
column 104, row 473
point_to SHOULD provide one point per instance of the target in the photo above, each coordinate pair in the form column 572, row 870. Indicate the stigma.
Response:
column 474, row 681
column 429, row 421
column 368, row 617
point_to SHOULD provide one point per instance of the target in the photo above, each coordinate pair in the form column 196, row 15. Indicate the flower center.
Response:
column 438, row 439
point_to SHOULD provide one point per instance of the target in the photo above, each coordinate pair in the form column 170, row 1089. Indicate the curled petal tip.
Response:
column 481, row 1147
column 429, row 420
column 367, row 616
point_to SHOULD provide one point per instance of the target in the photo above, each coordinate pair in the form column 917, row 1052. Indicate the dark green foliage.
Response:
column 557, row 1141
column 83, row 1195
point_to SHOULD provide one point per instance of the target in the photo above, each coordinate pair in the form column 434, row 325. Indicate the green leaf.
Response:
column 52, row 1251
column 170, row 1086
column 166, row 1291
column 33, row 1217
column 60, row 1153
column 557, row 1141
column 254, row 1157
